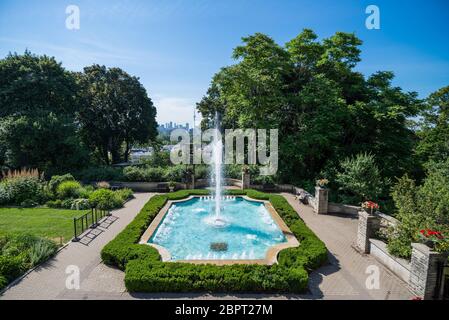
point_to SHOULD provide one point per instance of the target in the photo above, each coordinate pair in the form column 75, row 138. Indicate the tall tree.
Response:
column 37, row 107
column 116, row 112
column 434, row 131
column 324, row 110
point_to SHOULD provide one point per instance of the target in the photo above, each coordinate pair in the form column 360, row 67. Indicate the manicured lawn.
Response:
column 44, row 222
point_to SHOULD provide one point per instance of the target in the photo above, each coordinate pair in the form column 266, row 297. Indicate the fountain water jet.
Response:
column 217, row 157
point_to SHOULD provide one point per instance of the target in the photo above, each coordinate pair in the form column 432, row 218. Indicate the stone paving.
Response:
column 343, row 278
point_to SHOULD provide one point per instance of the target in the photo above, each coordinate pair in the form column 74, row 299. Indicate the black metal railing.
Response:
column 89, row 220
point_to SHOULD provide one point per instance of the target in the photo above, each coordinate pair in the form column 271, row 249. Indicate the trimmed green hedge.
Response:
column 145, row 272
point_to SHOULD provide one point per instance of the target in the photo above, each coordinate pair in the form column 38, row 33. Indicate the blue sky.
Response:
column 176, row 46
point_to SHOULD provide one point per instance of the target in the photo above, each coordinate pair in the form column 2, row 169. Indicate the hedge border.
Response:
column 145, row 272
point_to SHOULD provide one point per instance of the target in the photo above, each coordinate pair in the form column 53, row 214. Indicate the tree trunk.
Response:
column 127, row 152
column 115, row 150
column 104, row 154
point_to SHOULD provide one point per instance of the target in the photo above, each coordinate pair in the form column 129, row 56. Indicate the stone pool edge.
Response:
column 270, row 257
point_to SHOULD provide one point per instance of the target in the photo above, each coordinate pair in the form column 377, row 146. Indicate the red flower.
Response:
column 429, row 233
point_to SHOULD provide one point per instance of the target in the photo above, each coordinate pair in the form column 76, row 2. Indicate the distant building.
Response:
column 169, row 126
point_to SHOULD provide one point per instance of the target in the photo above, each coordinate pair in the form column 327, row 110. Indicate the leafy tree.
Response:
column 116, row 112
column 434, row 193
column 324, row 110
column 35, row 85
column 360, row 178
column 378, row 124
column 420, row 207
column 434, row 131
column 37, row 106
column 49, row 143
column 404, row 194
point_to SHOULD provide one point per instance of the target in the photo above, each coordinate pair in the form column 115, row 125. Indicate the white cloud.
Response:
column 176, row 109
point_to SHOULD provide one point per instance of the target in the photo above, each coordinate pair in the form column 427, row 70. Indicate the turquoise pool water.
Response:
column 188, row 230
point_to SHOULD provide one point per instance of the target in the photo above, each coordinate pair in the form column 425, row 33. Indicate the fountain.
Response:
column 217, row 227
column 217, row 158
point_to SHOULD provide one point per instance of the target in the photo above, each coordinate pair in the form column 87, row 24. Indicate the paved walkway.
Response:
column 48, row 281
column 343, row 278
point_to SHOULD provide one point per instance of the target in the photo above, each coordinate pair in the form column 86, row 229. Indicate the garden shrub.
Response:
column 80, row 204
column 104, row 173
column 202, row 172
column 3, row 282
column 360, row 179
column 124, row 194
column 28, row 203
column 19, row 189
column 11, row 267
column 20, row 252
column 54, row 204
column 41, row 250
column 233, row 171
column 56, row 180
column 5, row 196
column 147, row 174
column 85, row 191
column 105, row 199
column 420, row 207
column 175, row 173
column 145, row 272
column 133, row 173
column 68, row 190
column 154, row 174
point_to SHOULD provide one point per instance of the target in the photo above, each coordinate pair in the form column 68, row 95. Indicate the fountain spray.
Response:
column 217, row 152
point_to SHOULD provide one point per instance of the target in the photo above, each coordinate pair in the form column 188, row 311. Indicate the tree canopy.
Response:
column 116, row 110
column 37, row 110
column 50, row 117
column 325, row 110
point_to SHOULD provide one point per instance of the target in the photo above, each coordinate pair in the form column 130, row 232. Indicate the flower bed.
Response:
column 145, row 272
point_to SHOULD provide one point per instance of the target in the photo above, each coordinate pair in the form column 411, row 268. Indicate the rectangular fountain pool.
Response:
column 245, row 230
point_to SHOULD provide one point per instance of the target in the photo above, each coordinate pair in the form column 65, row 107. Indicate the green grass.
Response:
column 43, row 222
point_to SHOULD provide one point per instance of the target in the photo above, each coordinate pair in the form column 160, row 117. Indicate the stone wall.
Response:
column 421, row 272
column 398, row 266
column 343, row 209
column 424, row 270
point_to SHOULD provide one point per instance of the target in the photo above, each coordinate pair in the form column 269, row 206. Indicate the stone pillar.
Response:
column 321, row 200
column 246, row 180
column 424, row 271
column 367, row 227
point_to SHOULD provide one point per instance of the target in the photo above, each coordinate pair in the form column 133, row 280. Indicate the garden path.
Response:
column 48, row 281
column 343, row 278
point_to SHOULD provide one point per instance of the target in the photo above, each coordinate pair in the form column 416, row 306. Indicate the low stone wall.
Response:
column 385, row 219
column 233, row 182
column 398, row 266
column 343, row 208
column 145, row 186
column 422, row 272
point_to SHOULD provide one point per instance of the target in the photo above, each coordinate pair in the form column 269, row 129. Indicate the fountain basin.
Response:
column 253, row 232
